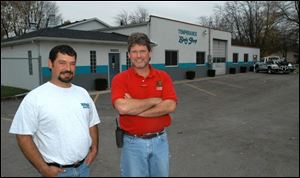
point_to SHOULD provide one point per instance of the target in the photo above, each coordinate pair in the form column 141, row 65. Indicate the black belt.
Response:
column 75, row 165
column 147, row 135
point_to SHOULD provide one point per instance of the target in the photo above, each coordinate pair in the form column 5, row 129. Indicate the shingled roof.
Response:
column 72, row 34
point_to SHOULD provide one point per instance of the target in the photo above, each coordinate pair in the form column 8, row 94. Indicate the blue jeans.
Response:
column 145, row 157
column 82, row 171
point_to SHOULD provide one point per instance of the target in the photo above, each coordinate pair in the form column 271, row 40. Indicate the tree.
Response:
column 138, row 16
column 270, row 25
column 18, row 16
column 289, row 31
column 122, row 18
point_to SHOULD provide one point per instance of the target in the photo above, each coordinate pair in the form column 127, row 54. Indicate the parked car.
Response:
column 292, row 67
column 273, row 64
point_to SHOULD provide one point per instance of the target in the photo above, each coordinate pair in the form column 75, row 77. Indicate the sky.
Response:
column 106, row 11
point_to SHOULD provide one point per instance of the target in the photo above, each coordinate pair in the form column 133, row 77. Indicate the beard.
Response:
column 65, row 79
column 140, row 64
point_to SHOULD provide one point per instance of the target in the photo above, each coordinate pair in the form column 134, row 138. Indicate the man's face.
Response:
column 139, row 56
column 63, row 68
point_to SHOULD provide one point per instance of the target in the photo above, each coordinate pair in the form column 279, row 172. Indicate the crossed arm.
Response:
column 150, row 107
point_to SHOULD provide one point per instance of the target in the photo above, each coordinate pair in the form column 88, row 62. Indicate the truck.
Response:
column 273, row 64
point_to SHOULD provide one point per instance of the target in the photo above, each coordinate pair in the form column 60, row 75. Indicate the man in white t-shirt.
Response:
column 56, row 123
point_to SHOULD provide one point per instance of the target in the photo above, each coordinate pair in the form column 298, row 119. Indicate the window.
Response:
column 128, row 62
column 245, row 57
column 93, row 61
column 235, row 57
column 30, row 62
column 200, row 57
column 171, row 58
column 219, row 59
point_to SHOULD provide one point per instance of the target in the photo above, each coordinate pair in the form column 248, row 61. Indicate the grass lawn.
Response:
column 11, row 91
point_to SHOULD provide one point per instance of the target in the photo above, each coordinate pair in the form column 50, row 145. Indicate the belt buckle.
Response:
column 150, row 135
column 77, row 164
column 147, row 134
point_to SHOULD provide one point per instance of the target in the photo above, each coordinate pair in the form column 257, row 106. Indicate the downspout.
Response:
column 149, row 29
column 39, row 62
column 209, row 53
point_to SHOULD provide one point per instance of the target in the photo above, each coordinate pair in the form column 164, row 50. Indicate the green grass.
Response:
column 11, row 91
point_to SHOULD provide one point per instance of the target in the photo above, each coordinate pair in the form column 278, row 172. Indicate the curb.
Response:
column 18, row 96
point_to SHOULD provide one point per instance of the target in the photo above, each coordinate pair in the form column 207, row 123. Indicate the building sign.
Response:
column 187, row 37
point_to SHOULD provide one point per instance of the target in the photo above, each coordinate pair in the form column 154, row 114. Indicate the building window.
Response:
column 219, row 59
column 128, row 62
column 200, row 57
column 235, row 57
column 245, row 57
column 30, row 62
column 171, row 58
column 93, row 61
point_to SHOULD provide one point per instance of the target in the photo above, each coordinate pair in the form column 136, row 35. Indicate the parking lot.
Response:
column 243, row 124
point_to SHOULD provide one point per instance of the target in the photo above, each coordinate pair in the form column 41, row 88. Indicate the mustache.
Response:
column 64, row 72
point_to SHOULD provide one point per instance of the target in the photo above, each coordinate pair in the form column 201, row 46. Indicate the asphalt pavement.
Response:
column 243, row 124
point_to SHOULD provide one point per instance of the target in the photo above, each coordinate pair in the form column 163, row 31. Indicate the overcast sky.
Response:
column 187, row 11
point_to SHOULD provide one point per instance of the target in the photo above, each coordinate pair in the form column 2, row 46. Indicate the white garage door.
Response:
column 219, row 56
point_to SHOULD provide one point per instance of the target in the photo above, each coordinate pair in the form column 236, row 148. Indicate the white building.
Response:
column 178, row 47
column 184, row 46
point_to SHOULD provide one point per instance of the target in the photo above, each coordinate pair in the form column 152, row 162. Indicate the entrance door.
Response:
column 114, row 65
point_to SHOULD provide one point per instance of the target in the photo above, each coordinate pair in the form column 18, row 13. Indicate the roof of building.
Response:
column 124, row 26
column 82, row 22
column 154, row 16
column 71, row 34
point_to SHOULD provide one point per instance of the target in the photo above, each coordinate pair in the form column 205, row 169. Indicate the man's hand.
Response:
column 94, row 147
column 31, row 152
column 91, row 156
column 165, row 107
column 127, row 96
column 51, row 171
column 131, row 106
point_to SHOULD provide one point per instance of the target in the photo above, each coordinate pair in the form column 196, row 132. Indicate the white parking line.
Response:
column 195, row 80
column 6, row 119
column 200, row 89
column 227, row 84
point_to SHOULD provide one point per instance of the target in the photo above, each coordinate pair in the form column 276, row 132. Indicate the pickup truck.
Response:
column 273, row 64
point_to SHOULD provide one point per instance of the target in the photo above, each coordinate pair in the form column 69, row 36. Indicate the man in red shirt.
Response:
column 144, row 97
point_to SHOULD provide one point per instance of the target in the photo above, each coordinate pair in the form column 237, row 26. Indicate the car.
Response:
column 272, row 64
column 291, row 67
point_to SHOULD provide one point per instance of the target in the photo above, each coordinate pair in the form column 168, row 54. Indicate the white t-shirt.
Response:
column 59, row 120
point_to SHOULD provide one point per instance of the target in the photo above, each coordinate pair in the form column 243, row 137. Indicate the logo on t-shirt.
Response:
column 85, row 105
column 159, row 85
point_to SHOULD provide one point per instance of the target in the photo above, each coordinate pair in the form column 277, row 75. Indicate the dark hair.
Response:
column 140, row 39
column 64, row 49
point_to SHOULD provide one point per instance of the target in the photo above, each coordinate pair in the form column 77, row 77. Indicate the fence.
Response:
column 21, row 72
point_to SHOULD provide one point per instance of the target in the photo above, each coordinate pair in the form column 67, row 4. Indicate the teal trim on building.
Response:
column 46, row 72
column 158, row 66
column 187, row 65
column 103, row 69
column 123, row 67
column 79, row 70
column 83, row 70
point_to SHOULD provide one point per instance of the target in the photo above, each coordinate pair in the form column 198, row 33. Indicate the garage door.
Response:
column 219, row 56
